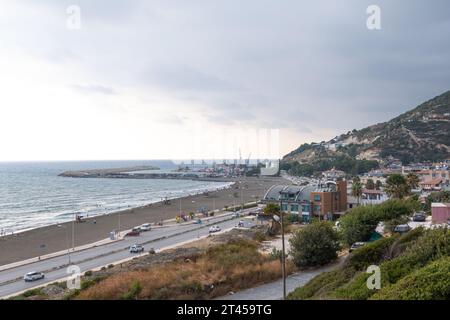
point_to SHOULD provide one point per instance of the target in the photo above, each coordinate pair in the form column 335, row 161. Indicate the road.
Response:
column 11, row 280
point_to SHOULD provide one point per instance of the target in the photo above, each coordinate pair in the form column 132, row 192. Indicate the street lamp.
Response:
column 67, row 239
column 283, row 250
column 283, row 255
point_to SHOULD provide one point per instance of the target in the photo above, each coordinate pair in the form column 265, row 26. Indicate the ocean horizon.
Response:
column 32, row 195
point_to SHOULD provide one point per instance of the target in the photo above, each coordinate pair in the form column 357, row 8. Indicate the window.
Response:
column 317, row 197
column 305, row 208
column 284, row 207
column 294, row 207
column 317, row 208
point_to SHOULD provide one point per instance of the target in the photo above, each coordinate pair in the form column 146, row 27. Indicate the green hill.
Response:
column 417, row 135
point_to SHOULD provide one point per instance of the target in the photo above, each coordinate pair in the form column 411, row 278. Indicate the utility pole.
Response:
column 73, row 233
column 283, row 255
column 283, row 248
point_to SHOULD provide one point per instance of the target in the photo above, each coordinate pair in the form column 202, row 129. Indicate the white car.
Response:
column 33, row 276
column 214, row 229
column 136, row 248
column 145, row 227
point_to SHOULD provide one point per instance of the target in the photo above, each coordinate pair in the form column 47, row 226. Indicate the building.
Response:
column 440, row 212
column 329, row 199
column 333, row 174
column 431, row 185
column 325, row 200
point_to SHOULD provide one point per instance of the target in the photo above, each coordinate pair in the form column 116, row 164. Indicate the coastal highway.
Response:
column 11, row 280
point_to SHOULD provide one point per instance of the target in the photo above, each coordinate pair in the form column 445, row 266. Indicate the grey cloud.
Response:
column 303, row 65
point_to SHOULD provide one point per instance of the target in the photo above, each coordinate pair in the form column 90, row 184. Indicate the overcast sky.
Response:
column 201, row 79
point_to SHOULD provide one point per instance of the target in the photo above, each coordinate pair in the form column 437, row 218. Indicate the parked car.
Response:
column 133, row 233
column 145, row 227
column 356, row 245
column 419, row 217
column 136, row 248
column 33, row 276
column 214, row 229
column 402, row 228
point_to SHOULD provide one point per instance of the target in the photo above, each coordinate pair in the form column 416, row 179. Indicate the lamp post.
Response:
column 283, row 255
column 67, row 239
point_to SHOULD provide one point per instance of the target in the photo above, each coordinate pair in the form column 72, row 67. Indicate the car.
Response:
column 214, row 229
column 402, row 228
column 236, row 214
column 145, row 227
column 136, row 248
column 33, row 276
column 133, row 233
column 241, row 224
column 356, row 245
column 419, row 217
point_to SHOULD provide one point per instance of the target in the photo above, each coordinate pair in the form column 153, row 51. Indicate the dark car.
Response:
column 134, row 232
column 402, row 228
column 356, row 245
column 419, row 217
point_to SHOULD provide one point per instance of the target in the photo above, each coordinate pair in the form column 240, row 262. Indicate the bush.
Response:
column 314, row 245
column 133, row 292
column 371, row 253
column 406, row 273
column 88, row 273
column 361, row 222
column 428, row 283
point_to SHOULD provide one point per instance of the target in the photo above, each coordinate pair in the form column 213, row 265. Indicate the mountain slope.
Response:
column 417, row 135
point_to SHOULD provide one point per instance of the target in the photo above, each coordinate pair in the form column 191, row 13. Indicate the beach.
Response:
column 41, row 241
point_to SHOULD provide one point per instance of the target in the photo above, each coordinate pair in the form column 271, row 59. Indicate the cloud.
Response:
column 88, row 89
column 311, row 67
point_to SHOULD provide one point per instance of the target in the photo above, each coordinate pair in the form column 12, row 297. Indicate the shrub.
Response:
column 371, row 253
column 428, row 283
column 316, row 244
column 133, row 292
column 361, row 222
column 88, row 273
column 87, row 283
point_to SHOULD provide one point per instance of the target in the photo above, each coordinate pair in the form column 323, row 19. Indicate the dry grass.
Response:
column 223, row 268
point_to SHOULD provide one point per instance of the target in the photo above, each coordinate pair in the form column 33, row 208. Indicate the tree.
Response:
column 272, row 209
column 412, row 180
column 357, row 189
column 359, row 223
column 397, row 186
column 370, row 184
column 378, row 185
column 314, row 245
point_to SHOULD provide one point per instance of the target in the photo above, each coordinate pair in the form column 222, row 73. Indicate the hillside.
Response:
column 418, row 135
column 413, row 266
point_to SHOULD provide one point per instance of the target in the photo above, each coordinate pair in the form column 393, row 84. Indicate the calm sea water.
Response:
column 32, row 195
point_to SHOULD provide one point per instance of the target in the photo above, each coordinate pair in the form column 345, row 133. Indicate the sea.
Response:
column 32, row 194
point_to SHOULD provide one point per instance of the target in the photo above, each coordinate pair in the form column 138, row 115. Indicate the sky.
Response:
column 207, row 79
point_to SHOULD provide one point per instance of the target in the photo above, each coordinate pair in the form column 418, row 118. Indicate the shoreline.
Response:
column 89, row 216
column 57, row 237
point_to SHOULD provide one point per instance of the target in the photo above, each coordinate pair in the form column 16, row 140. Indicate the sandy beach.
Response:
column 54, row 238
